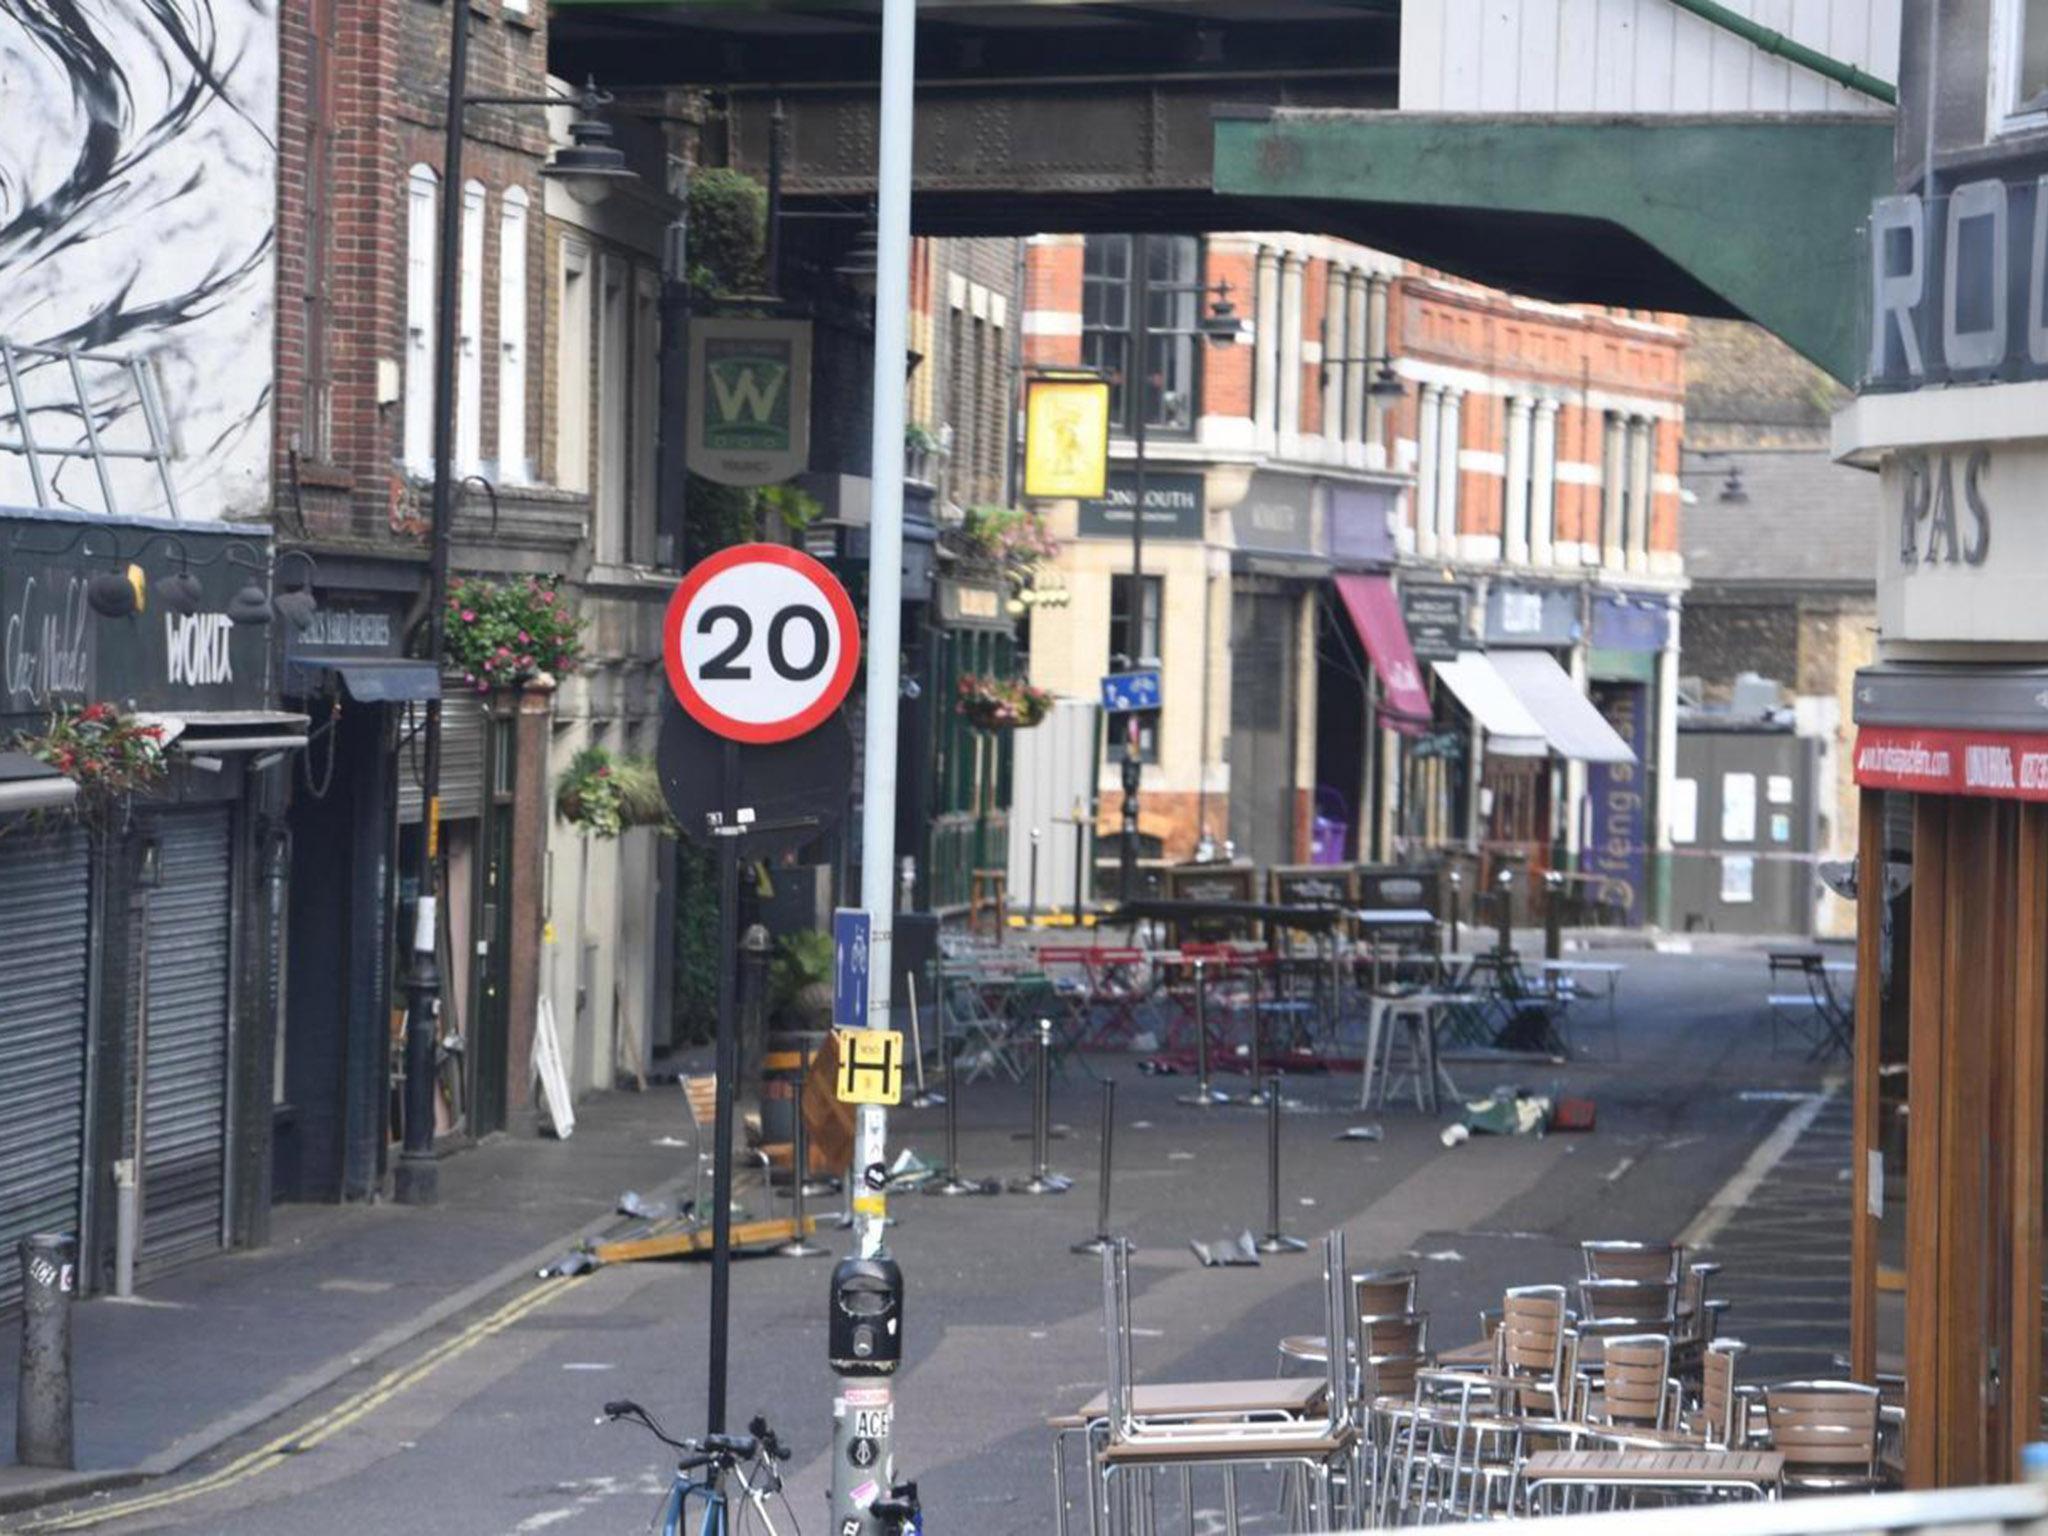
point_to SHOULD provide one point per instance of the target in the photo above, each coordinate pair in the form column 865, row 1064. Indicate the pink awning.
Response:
column 1376, row 615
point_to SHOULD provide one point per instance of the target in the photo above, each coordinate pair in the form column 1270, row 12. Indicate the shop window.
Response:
column 2020, row 77
column 1140, row 650
column 1110, row 329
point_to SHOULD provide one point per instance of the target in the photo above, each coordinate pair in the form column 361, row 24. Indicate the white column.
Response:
column 1290, row 356
column 1336, row 378
column 1266, row 358
column 1514, row 533
column 1374, row 429
column 1449, row 440
column 1430, row 414
column 1613, row 469
column 1357, row 345
column 1642, row 432
column 1543, row 492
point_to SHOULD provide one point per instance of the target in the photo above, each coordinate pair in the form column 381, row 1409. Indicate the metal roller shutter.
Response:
column 44, row 964
column 184, row 1132
column 464, row 721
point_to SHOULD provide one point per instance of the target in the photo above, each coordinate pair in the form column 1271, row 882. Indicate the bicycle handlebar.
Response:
column 704, row 1449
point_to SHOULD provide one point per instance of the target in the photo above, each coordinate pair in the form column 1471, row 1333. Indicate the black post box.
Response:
column 867, row 1317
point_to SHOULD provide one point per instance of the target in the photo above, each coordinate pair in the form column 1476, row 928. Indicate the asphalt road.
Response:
column 486, row 1426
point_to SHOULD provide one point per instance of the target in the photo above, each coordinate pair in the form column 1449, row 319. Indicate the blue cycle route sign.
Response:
column 849, row 968
column 1125, row 692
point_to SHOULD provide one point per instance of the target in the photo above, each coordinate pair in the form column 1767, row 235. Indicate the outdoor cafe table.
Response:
column 1184, row 1402
column 1755, row 1473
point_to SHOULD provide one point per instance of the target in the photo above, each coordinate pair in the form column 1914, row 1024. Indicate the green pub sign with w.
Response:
column 750, row 400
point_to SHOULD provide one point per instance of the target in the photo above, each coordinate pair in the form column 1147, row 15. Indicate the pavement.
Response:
column 484, row 1417
column 229, row 1342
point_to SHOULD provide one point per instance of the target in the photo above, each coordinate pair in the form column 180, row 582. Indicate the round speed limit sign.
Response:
column 761, row 643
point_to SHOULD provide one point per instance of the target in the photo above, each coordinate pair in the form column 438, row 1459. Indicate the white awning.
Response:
column 1574, row 728
column 1511, row 731
column 200, row 732
column 28, row 785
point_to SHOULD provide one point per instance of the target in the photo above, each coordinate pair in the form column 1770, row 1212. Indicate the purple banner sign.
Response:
column 1620, row 800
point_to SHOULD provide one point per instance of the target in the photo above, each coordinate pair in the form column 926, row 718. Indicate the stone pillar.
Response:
column 1430, row 418
column 1514, row 533
column 1357, row 347
column 1336, row 377
column 1449, row 442
column 1266, row 339
column 1613, row 473
column 1374, row 427
column 1642, row 433
column 1543, row 485
column 1290, row 356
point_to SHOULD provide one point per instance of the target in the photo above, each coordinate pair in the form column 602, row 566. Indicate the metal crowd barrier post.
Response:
column 1103, row 1237
column 1042, row 1181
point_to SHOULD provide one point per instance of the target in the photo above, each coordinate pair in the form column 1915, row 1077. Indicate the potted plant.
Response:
column 603, row 795
column 1002, row 703
column 505, row 634
column 800, row 980
column 107, row 754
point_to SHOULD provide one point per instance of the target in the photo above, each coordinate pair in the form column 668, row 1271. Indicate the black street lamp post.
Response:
column 589, row 168
column 1222, row 327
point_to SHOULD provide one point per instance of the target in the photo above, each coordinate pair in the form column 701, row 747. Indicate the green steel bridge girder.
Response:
column 1767, row 216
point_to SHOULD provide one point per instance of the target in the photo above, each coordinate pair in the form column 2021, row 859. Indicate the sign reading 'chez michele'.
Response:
column 1963, row 548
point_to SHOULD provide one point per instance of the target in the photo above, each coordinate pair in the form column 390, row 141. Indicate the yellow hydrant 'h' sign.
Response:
column 870, row 1066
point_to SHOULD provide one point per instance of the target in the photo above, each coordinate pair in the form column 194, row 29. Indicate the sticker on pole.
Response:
column 870, row 1066
column 761, row 643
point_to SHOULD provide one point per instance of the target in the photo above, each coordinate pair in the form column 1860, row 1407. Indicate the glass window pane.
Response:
column 2032, row 85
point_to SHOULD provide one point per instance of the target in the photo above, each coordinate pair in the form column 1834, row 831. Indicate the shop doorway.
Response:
column 1264, row 655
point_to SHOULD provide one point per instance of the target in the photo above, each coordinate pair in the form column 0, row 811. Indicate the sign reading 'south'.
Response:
column 761, row 643
column 750, row 400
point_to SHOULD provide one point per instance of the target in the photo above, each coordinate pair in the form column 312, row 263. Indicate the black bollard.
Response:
column 1103, row 1237
column 1504, row 888
column 1042, row 1181
column 1205, row 1096
column 1457, row 884
column 1275, row 1241
column 1553, row 915
column 953, row 1184
column 42, row 1404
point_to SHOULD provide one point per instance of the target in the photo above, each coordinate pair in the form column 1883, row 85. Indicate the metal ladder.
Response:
column 15, row 359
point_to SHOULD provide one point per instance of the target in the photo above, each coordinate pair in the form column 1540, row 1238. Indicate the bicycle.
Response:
column 750, row 1459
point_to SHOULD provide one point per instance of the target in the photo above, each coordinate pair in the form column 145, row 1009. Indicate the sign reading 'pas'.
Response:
column 750, row 400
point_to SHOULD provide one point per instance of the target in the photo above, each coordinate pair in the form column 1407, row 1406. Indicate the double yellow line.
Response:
column 324, row 1427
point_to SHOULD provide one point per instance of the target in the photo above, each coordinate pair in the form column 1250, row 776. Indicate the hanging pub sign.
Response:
column 1066, row 436
column 1174, row 506
column 1957, row 285
column 750, row 400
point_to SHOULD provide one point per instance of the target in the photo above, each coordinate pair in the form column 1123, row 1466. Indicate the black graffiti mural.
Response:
column 137, row 197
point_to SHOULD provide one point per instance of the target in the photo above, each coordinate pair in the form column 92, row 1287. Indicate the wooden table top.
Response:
column 1673, row 1466
column 1209, row 1399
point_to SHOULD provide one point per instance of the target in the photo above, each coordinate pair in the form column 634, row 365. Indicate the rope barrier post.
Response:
column 924, row 1098
column 1275, row 1241
column 799, row 1245
column 1205, row 1096
column 1103, row 1237
column 953, row 1184
column 1042, row 1181
column 1257, row 1093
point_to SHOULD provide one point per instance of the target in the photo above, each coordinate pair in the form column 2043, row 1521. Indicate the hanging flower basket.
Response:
column 504, row 634
column 107, row 754
column 1002, row 703
column 604, row 795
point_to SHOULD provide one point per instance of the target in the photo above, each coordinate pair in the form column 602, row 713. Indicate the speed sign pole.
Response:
column 855, row 1488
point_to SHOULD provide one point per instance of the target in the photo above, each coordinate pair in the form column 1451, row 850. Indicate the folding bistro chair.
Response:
column 1827, row 1432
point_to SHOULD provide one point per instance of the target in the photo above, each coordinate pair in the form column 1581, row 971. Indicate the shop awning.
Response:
column 29, row 785
column 1573, row 727
column 1376, row 615
column 1511, row 730
column 198, row 732
column 368, row 679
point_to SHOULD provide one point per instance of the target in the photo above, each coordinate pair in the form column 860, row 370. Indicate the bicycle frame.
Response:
column 716, row 1504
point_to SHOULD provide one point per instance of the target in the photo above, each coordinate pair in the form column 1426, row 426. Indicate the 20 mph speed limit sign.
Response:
column 761, row 643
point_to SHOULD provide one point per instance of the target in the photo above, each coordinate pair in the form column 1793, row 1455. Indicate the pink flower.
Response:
column 525, row 638
column 469, row 616
column 526, row 661
column 548, row 598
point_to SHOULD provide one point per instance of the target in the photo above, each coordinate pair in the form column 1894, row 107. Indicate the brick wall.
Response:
column 363, row 91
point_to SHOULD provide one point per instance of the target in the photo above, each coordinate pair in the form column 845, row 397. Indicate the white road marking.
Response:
column 1732, row 1196
column 1619, row 1169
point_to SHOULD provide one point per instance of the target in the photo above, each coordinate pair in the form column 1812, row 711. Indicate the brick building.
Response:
column 552, row 444
column 1385, row 443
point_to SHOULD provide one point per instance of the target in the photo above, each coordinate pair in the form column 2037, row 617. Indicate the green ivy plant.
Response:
column 604, row 795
